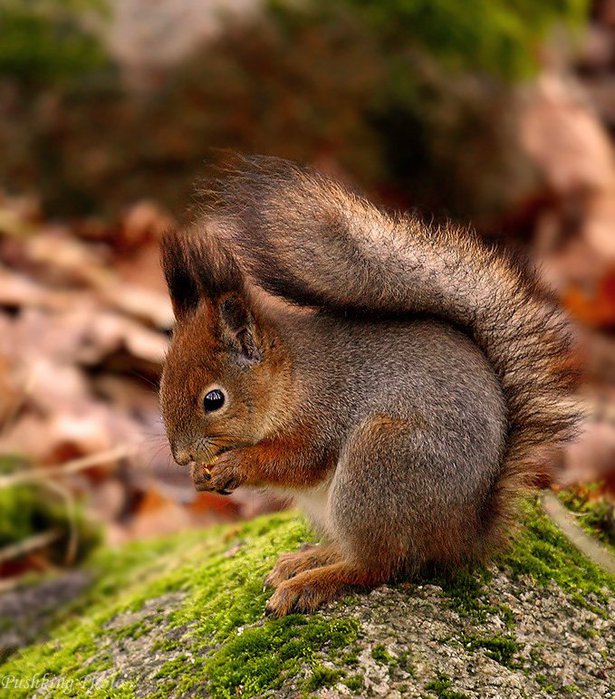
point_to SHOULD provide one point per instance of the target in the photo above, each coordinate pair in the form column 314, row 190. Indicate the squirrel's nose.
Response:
column 182, row 455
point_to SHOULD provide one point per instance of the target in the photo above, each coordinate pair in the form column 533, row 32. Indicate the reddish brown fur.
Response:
column 287, row 461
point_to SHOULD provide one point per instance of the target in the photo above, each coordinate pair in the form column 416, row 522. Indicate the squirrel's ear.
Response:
column 239, row 329
column 179, row 274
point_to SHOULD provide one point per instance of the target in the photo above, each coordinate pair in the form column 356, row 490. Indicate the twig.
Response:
column 71, row 513
column 9, row 553
column 42, row 477
column 27, row 476
column 591, row 548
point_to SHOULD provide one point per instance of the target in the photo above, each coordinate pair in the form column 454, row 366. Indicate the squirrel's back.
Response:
column 413, row 365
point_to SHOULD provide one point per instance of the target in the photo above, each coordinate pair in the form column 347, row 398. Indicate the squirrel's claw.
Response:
column 222, row 476
column 201, row 476
column 226, row 473
column 303, row 593
column 290, row 564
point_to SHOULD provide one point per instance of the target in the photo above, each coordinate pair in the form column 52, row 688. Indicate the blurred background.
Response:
column 500, row 113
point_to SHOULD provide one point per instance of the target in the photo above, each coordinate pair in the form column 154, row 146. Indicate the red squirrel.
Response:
column 400, row 392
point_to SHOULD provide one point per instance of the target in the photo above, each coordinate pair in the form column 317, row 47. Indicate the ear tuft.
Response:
column 178, row 272
column 197, row 267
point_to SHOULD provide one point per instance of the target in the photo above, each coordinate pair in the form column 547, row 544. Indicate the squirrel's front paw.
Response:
column 226, row 473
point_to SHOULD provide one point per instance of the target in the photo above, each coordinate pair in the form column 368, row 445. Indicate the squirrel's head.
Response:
column 216, row 388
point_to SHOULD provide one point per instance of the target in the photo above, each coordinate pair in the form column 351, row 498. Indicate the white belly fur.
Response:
column 315, row 503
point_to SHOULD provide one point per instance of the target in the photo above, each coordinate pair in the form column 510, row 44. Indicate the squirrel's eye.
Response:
column 213, row 400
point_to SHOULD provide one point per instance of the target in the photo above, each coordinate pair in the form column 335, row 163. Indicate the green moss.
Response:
column 403, row 662
column 355, row 683
column 500, row 648
column 322, row 677
column 214, row 640
column 543, row 553
column 506, row 614
column 351, row 658
column 395, row 663
column 588, row 632
column 133, row 631
column 466, row 592
column 380, row 654
column 223, row 582
column 441, row 686
column 262, row 657
column 545, row 683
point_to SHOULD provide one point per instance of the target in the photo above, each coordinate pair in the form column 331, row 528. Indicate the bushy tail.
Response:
column 306, row 238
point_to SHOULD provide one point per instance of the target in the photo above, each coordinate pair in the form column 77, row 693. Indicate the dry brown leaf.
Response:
column 153, row 307
column 592, row 456
column 61, row 259
column 17, row 290
column 599, row 226
column 595, row 308
column 142, row 267
column 144, row 221
column 565, row 139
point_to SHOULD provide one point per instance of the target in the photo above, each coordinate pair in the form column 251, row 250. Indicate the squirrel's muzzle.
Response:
column 182, row 455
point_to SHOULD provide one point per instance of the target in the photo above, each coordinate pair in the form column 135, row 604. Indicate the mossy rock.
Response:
column 183, row 616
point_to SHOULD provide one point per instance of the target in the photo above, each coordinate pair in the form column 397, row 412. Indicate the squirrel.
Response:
column 399, row 380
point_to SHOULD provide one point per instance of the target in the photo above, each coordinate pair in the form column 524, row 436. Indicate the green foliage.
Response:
column 251, row 89
column 442, row 109
column 388, row 91
column 30, row 508
column 497, row 36
column 46, row 41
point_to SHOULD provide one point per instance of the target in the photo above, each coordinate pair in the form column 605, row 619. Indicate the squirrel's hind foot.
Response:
column 311, row 589
column 310, row 556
